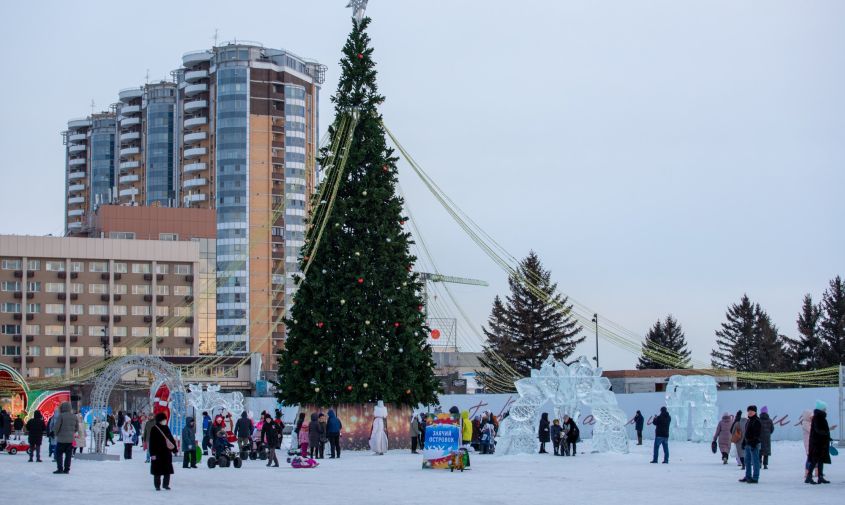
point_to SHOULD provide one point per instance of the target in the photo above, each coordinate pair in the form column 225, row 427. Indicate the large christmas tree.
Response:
column 356, row 332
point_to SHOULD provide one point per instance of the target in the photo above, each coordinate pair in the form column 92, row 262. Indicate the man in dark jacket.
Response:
column 5, row 424
column 243, row 430
column 65, row 429
column 639, row 421
column 206, row 433
column 333, row 427
column 751, row 446
column 819, row 446
column 189, row 443
column 35, row 427
column 661, row 435
column 270, row 436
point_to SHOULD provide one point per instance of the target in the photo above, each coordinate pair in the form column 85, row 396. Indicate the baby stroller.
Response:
column 224, row 454
column 298, row 460
column 258, row 450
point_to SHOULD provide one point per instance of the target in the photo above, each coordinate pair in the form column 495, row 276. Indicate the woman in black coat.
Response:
column 35, row 427
column 572, row 435
column 819, row 447
column 543, row 432
column 162, row 449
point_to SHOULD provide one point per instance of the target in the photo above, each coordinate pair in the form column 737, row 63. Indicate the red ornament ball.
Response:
column 360, row 280
column 360, row 56
column 296, row 362
column 385, row 168
column 349, row 388
column 435, row 334
column 395, row 325
column 407, row 391
column 320, row 324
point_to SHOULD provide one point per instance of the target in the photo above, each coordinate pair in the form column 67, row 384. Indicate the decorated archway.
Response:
column 14, row 391
column 568, row 387
column 164, row 374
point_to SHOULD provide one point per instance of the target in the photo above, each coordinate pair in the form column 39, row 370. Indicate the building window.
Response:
column 182, row 290
column 141, row 289
column 119, row 268
column 140, row 310
column 33, row 329
column 161, row 268
column 55, row 266
column 55, row 287
column 168, row 236
column 77, row 351
column 10, row 308
column 10, row 286
column 54, row 329
column 119, row 310
column 98, row 266
column 55, row 350
column 98, row 289
column 162, row 331
column 140, row 268
column 33, row 308
column 119, row 331
column 162, row 311
column 10, row 329
column 77, row 266
column 126, row 235
column 77, row 310
column 182, row 269
column 140, row 331
column 33, row 350
column 119, row 289
column 77, row 288
column 53, row 372
column 11, row 264
column 182, row 331
column 33, row 372
column 33, row 265
column 33, row 286
column 162, row 290
column 10, row 350
column 75, row 329
column 182, row 311
column 118, row 351
column 96, row 331
column 96, row 351
column 55, row 308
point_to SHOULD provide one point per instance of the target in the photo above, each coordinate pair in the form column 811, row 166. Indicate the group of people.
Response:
column 321, row 429
column 564, row 437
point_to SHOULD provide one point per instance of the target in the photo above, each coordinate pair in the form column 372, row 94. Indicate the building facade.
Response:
column 236, row 132
column 67, row 302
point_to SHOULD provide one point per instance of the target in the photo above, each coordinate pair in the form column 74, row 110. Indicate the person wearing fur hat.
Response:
column 767, row 428
column 819, row 452
column 751, row 445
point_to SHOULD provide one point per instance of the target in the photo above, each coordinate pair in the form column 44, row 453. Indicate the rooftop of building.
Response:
column 97, row 248
column 661, row 373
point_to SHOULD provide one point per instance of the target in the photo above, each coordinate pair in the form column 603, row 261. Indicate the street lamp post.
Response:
column 596, row 320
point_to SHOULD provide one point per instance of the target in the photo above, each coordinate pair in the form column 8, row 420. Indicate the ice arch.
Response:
column 568, row 387
column 691, row 401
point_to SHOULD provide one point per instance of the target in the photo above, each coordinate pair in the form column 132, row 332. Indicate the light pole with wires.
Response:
column 596, row 320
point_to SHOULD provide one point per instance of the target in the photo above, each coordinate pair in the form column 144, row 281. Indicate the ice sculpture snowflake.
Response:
column 696, row 394
column 567, row 387
column 212, row 398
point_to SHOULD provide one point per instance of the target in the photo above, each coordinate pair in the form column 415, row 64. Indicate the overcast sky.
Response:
column 660, row 156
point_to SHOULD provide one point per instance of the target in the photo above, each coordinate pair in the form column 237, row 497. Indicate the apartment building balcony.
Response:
column 76, row 162
column 75, row 187
column 190, row 138
column 77, row 137
column 196, row 57
column 75, row 212
column 194, row 167
column 77, row 148
column 195, row 121
column 128, row 110
column 195, row 105
column 75, row 175
column 130, row 121
column 195, row 89
column 75, row 199
column 196, row 197
column 127, row 136
column 129, row 151
column 128, row 192
column 75, row 225
column 195, row 152
column 192, row 183
column 126, row 95
column 125, row 179
column 129, row 165
column 78, row 123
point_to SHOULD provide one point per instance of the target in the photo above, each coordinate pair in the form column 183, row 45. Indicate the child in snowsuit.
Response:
column 303, row 439
column 556, row 433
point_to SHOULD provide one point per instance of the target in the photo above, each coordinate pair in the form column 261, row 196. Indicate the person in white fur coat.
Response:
column 378, row 435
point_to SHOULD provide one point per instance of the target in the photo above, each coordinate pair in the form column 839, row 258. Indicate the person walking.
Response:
column 65, row 429
column 35, row 429
column 269, row 435
column 544, row 432
column 639, row 422
column 127, row 434
column 737, row 433
column 206, row 433
column 767, row 427
column 189, row 443
column 243, row 430
column 413, row 432
column 751, row 445
column 819, row 444
column 81, row 437
column 572, row 435
column 723, row 436
column 661, row 435
column 162, row 448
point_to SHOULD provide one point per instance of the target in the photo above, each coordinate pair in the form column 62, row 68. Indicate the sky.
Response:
column 659, row 156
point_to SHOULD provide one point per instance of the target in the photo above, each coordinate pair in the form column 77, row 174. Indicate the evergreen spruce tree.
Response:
column 527, row 328
column 664, row 338
column 805, row 352
column 356, row 332
column 833, row 323
column 769, row 354
column 735, row 341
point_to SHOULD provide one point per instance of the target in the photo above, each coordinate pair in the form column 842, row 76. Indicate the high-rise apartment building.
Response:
column 236, row 132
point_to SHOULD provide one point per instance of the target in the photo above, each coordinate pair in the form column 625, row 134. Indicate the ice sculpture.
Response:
column 696, row 394
column 212, row 398
column 567, row 387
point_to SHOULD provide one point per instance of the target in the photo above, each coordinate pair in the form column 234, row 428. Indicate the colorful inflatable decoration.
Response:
column 48, row 402
column 14, row 389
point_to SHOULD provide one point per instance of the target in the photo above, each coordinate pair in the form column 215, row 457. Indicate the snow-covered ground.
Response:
column 694, row 476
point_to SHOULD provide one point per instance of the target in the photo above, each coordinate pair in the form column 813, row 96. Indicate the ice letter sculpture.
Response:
column 567, row 387
column 696, row 393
